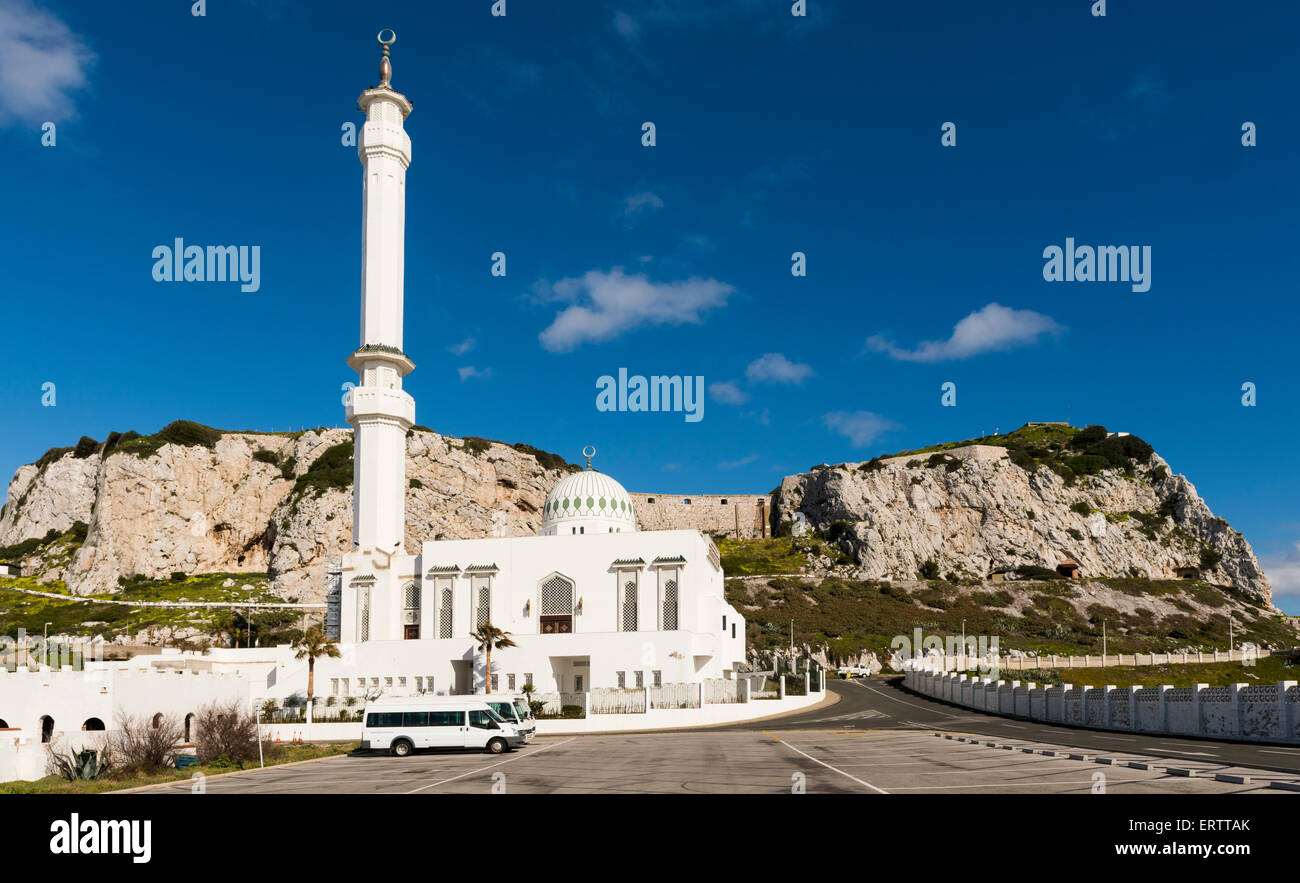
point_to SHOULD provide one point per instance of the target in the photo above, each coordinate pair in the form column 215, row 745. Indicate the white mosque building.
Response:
column 590, row 601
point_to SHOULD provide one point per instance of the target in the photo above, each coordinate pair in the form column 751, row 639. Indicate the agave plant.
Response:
column 85, row 764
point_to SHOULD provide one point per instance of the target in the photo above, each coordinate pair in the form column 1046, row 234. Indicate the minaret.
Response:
column 379, row 412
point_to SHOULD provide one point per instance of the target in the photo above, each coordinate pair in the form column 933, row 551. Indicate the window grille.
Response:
column 670, row 604
column 445, row 610
column 483, row 596
column 629, row 605
column 557, row 597
column 411, row 596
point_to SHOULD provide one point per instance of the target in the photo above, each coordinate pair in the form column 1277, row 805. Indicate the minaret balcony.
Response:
column 381, row 352
column 379, row 403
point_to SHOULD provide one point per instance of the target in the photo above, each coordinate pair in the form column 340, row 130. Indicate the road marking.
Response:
column 1192, row 753
column 895, row 699
column 1278, row 751
column 490, row 766
column 827, row 765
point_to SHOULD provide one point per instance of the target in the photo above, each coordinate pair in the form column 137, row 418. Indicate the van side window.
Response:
column 446, row 718
column 480, row 719
column 415, row 718
column 384, row 719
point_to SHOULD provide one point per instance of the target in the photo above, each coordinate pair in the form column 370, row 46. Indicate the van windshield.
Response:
column 496, row 717
column 524, row 711
column 505, row 709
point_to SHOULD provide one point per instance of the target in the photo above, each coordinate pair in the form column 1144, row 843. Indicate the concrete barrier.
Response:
column 1244, row 712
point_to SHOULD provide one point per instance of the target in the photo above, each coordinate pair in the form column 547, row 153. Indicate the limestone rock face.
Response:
column 203, row 510
column 988, row 514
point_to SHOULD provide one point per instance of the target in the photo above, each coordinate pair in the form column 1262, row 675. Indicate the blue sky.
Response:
column 775, row 134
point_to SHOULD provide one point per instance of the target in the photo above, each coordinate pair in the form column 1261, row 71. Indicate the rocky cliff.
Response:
column 1031, row 498
column 195, row 500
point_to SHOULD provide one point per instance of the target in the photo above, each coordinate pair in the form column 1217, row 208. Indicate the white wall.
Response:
column 1248, row 712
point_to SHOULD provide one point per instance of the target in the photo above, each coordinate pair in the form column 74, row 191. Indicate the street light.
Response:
column 1103, row 643
column 45, row 643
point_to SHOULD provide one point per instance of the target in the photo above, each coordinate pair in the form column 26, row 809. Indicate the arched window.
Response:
column 668, row 597
column 157, row 721
column 556, row 605
column 93, row 723
column 189, row 727
column 47, row 728
column 4, row 725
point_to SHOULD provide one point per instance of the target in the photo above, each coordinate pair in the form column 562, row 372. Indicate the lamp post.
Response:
column 45, row 643
column 964, row 664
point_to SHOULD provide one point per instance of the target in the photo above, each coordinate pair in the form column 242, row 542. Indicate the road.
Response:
column 877, row 739
column 883, row 705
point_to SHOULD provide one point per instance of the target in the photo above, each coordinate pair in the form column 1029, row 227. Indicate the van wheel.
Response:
column 497, row 746
column 401, row 748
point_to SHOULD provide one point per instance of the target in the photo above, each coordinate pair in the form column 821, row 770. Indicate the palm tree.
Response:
column 490, row 638
column 311, row 645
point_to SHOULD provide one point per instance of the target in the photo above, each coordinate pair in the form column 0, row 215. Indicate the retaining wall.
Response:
column 1246, row 712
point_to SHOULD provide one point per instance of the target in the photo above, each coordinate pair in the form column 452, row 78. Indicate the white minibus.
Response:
column 515, row 710
column 404, row 725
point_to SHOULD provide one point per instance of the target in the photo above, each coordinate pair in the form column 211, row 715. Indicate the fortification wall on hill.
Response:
column 743, row 516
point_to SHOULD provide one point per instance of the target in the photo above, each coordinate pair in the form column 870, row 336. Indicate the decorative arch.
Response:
column 555, row 593
column 93, row 724
column 47, row 728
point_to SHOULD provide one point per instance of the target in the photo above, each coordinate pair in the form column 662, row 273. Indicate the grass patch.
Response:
column 275, row 754
column 89, row 618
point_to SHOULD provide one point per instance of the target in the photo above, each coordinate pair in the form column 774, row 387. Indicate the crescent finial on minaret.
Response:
column 386, row 67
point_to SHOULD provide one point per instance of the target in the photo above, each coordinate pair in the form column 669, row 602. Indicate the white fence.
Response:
column 675, row 696
column 958, row 662
column 720, row 691
column 617, row 700
column 1250, row 712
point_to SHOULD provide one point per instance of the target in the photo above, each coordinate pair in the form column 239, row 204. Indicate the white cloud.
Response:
column 860, row 427
column 463, row 347
column 1283, row 572
column 469, row 372
column 993, row 328
column 776, row 368
column 603, row 306
column 640, row 202
column 728, row 393
column 41, row 63
column 626, row 25
column 736, row 464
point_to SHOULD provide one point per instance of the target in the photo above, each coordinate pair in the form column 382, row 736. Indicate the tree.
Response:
column 490, row 638
column 311, row 646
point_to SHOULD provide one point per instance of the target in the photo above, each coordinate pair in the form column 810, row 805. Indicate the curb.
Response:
column 141, row 788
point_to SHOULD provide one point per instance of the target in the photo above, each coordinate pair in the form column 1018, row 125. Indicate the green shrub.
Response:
column 262, row 455
column 872, row 465
column 1075, row 534
column 86, row 446
column 416, row 483
column 929, row 569
column 332, row 469
column 51, row 456
column 288, row 468
column 1082, row 508
column 1033, row 571
column 1089, row 435
column 1022, row 458
column 1210, row 558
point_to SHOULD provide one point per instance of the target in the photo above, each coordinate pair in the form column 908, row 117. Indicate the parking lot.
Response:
column 813, row 761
